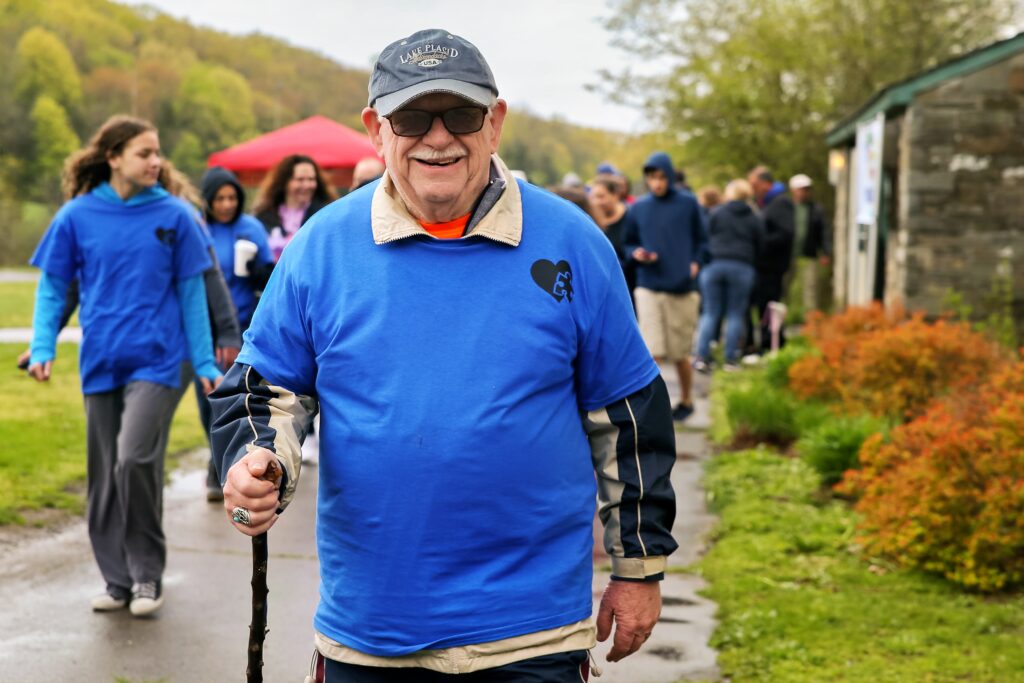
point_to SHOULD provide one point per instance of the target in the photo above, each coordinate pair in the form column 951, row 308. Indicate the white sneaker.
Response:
column 311, row 449
column 147, row 598
column 109, row 602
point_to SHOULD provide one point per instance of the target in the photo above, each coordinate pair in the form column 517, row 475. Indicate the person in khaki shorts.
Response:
column 666, row 238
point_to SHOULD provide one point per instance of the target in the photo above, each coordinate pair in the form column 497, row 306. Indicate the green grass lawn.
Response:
column 42, row 432
column 797, row 605
column 16, row 301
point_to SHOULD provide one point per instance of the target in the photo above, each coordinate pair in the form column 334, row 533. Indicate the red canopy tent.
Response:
column 336, row 148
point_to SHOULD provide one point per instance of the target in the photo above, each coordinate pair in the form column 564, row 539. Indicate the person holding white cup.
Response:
column 246, row 261
column 239, row 240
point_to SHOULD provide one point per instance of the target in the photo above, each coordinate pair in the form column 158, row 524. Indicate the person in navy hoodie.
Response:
column 665, row 237
column 224, row 204
column 470, row 343
column 139, row 257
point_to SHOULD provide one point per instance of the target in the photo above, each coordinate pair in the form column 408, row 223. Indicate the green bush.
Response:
column 776, row 366
column 831, row 448
column 762, row 413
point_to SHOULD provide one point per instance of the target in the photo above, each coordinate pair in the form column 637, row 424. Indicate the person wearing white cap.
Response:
column 471, row 346
column 812, row 243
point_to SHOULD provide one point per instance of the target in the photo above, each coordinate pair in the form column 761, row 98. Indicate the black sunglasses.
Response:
column 412, row 123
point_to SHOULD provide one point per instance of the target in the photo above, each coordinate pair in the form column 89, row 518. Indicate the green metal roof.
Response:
column 899, row 95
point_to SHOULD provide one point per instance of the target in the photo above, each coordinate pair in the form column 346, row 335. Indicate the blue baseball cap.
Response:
column 430, row 61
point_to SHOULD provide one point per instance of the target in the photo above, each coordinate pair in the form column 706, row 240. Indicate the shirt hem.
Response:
column 462, row 640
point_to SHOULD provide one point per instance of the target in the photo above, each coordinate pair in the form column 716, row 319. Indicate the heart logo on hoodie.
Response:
column 166, row 236
column 553, row 278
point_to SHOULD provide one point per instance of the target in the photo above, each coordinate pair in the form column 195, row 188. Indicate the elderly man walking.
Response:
column 471, row 347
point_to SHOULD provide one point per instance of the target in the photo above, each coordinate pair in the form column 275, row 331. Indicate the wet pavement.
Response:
column 48, row 633
column 678, row 648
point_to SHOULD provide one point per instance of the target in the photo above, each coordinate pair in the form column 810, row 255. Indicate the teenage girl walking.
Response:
column 139, row 257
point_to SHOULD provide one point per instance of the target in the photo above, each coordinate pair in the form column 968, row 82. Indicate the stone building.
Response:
column 929, row 178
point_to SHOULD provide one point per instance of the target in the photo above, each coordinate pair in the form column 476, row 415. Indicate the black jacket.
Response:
column 615, row 232
column 779, row 227
column 819, row 239
column 735, row 233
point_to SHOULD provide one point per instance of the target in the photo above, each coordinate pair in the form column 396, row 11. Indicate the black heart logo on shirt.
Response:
column 553, row 278
column 166, row 236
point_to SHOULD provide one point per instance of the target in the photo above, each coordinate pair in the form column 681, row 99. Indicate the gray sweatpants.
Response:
column 126, row 437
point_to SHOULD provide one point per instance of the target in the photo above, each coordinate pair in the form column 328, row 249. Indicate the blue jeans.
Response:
column 726, row 287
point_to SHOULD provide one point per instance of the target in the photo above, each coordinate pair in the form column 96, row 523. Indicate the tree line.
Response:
column 744, row 82
column 73, row 63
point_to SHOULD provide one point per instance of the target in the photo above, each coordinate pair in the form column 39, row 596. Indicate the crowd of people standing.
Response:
column 702, row 263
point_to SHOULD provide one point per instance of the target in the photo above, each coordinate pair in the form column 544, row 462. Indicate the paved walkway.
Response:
column 678, row 649
column 48, row 633
column 23, row 335
column 7, row 275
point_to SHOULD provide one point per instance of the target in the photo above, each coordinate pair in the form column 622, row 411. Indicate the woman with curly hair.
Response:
column 292, row 192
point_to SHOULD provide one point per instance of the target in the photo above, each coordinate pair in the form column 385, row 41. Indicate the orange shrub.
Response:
column 890, row 365
column 834, row 338
column 945, row 493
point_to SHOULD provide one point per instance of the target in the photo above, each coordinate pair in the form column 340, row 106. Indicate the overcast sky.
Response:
column 542, row 52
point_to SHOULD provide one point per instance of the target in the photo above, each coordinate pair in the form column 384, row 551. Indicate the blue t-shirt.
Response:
column 127, row 259
column 224, row 237
column 457, row 490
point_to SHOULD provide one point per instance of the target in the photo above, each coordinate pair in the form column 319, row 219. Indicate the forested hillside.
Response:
column 69, row 64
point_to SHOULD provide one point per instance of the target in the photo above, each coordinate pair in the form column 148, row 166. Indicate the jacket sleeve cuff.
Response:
column 639, row 568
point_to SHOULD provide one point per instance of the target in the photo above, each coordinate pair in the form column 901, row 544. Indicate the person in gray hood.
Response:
column 736, row 237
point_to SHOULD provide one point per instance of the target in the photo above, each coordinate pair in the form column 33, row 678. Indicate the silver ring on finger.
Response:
column 240, row 515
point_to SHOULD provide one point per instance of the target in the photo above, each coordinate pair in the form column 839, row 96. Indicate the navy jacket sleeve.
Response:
column 630, row 236
column 223, row 314
column 632, row 443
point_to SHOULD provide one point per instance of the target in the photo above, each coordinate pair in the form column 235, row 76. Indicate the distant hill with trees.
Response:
column 69, row 64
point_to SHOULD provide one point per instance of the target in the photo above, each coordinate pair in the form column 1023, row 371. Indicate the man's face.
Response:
column 439, row 175
column 759, row 185
column 657, row 182
column 802, row 195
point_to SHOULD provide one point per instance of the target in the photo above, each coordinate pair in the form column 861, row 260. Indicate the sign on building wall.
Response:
column 866, row 193
column 869, row 169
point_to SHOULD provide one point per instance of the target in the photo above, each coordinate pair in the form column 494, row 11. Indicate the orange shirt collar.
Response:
column 447, row 231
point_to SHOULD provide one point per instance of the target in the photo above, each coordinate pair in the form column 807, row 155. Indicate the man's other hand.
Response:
column 226, row 356
column 635, row 608
column 641, row 255
column 247, row 487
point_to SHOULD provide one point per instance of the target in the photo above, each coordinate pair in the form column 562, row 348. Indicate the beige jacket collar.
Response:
column 391, row 220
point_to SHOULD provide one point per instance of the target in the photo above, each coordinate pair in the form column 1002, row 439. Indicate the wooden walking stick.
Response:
column 258, row 628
